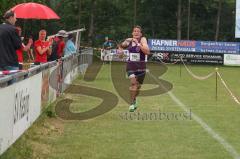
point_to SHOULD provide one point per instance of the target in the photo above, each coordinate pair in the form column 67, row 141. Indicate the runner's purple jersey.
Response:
column 136, row 66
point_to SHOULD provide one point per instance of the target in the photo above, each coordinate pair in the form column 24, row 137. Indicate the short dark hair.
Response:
column 138, row 26
column 8, row 14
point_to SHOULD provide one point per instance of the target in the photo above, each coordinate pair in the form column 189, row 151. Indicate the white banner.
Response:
column 27, row 104
column 20, row 107
column 231, row 60
column 35, row 97
column 6, row 117
column 237, row 24
column 21, row 102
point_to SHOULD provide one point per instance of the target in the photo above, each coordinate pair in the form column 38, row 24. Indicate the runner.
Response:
column 136, row 66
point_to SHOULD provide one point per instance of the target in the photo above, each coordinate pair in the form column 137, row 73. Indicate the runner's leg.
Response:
column 133, row 87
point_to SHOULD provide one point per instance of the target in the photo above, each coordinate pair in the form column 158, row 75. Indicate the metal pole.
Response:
column 180, row 66
column 77, row 40
column 180, row 69
column 216, row 92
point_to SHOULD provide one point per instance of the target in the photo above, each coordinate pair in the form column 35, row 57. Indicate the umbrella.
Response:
column 34, row 11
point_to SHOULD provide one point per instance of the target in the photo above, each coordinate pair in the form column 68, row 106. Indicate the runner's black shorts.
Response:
column 140, row 75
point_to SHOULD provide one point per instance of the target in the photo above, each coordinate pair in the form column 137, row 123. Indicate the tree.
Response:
column 135, row 12
column 91, row 25
column 179, row 20
column 79, row 13
column 165, row 19
column 218, row 19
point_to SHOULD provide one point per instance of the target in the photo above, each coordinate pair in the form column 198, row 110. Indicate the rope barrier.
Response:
column 208, row 76
column 227, row 88
column 203, row 77
column 166, row 63
column 195, row 76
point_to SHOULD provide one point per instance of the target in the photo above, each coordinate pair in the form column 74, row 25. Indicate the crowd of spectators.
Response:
column 12, row 45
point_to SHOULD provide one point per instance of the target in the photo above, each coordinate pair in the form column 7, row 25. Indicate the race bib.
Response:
column 134, row 56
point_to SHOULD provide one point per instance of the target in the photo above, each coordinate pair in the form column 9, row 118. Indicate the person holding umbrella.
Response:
column 38, row 11
column 9, row 42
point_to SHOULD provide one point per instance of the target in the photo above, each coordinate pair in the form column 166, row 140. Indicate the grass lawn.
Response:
column 114, row 136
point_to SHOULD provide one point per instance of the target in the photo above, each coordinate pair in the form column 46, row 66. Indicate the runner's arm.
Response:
column 126, row 43
column 144, row 46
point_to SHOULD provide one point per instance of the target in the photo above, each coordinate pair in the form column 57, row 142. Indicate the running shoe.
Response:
column 132, row 108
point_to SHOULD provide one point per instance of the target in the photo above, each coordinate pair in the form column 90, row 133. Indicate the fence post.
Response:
column 216, row 74
column 180, row 66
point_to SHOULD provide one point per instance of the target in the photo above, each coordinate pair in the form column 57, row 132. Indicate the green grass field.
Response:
column 109, row 136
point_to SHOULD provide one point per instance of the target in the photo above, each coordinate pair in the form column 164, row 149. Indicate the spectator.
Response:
column 23, row 48
column 9, row 42
column 107, row 45
column 70, row 47
column 58, row 46
column 42, row 48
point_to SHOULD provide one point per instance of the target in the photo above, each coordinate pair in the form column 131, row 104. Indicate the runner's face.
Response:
column 136, row 33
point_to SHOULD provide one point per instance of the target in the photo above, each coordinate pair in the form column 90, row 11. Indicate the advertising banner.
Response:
column 35, row 96
column 21, row 108
column 193, row 46
column 232, row 60
column 120, row 55
column 170, row 57
column 6, row 117
column 27, row 104
column 114, row 55
column 22, row 101
column 21, row 105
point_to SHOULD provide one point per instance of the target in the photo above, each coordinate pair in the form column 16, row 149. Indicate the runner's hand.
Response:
column 135, row 41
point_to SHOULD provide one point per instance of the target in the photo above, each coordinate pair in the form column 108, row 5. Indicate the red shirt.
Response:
column 20, row 54
column 61, row 46
column 41, row 58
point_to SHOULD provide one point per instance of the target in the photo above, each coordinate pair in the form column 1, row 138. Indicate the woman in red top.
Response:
column 24, row 47
column 42, row 48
